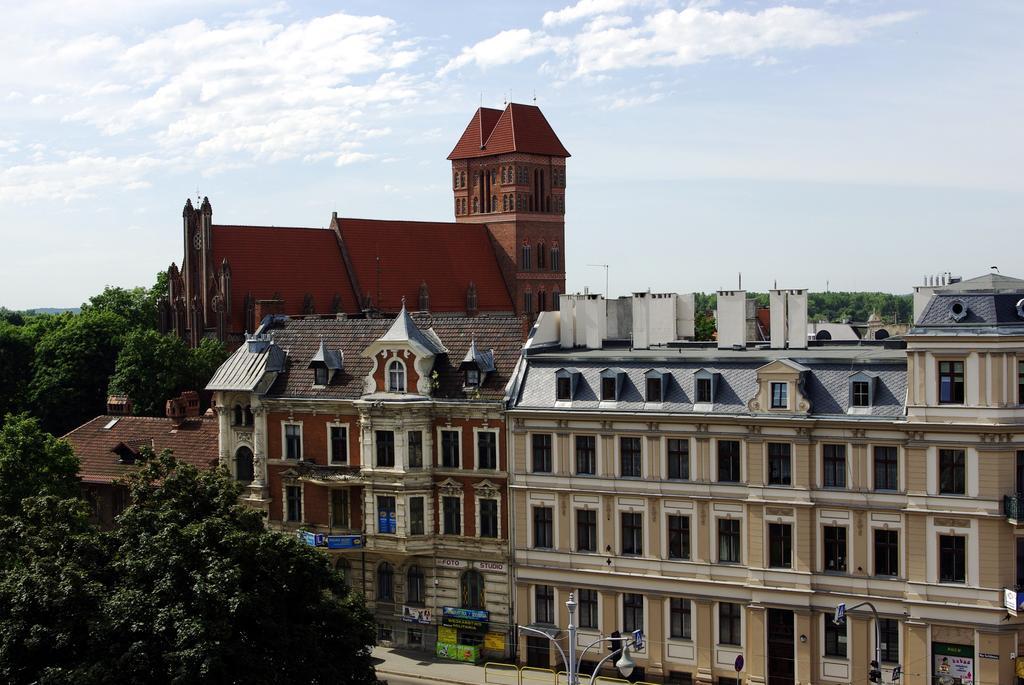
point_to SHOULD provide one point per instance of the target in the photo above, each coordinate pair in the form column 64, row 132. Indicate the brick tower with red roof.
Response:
column 508, row 173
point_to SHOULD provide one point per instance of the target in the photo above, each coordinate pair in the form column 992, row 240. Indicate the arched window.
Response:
column 542, row 301
column 344, row 568
column 471, row 299
column 504, row 177
column 462, row 179
column 494, row 177
column 556, row 257
column 472, row 586
column 236, row 416
column 519, row 201
column 525, row 265
column 415, row 584
column 554, row 299
column 385, row 583
column 243, row 465
column 458, row 206
column 504, row 203
column 424, row 297
column 494, row 203
column 476, row 205
column 540, row 255
column 528, row 301
column 247, row 415
column 823, row 335
column 455, row 180
column 396, row 376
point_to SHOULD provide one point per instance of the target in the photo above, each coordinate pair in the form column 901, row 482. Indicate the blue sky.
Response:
column 859, row 144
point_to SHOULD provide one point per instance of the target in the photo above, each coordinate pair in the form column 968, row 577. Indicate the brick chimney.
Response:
column 119, row 405
column 185, row 406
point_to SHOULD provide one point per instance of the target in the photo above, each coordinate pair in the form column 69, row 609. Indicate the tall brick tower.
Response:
column 508, row 173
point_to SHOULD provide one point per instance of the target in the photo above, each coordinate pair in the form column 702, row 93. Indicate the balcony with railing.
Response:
column 1013, row 508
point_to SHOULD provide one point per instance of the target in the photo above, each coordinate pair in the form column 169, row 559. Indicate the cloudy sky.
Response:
column 854, row 144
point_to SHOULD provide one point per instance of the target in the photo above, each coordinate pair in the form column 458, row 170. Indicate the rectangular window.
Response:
column 654, row 389
column 890, row 644
column 834, row 539
column 386, row 519
column 586, row 455
column 632, row 533
column 833, row 462
column 952, row 559
column 887, row 474
column 414, row 637
column 586, row 530
column 887, row 552
column 952, row 472
column 1020, row 562
column 632, row 612
column 542, row 453
column 678, row 459
column 780, row 545
column 452, row 511
column 861, row 394
column 951, row 382
column 339, row 508
column 450, row 449
column 729, row 624
column 608, row 388
column 292, row 441
column 487, row 450
column 339, row 445
column 729, row 541
column 679, row 619
column 544, row 603
column 543, row 528
column 415, row 439
column 678, row 537
column 293, row 495
column 835, row 639
column 489, row 518
column 563, row 388
column 728, row 461
column 1020, row 382
column 680, row 678
column 780, row 395
column 417, row 520
column 1020, row 472
column 385, row 449
column 779, row 464
column 629, row 457
column 703, row 390
column 588, row 608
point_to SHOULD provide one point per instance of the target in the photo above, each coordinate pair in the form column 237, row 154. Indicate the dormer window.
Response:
column 612, row 381
column 320, row 375
column 780, row 395
column 656, row 385
column 566, row 381
column 396, row 376
column 705, row 385
column 472, row 378
column 862, row 389
column 476, row 365
column 325, row 363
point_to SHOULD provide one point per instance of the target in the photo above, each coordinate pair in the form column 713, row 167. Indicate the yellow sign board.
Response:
column 449, row 635
column 494, row 642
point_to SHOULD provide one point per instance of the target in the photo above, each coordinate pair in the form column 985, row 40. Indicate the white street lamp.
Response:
column 625, row 664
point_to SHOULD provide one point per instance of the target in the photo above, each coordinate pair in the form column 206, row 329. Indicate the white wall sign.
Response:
column 452, row 563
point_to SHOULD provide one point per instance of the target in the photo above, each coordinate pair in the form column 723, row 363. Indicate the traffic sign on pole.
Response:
column 739, row 663
column 840, row 613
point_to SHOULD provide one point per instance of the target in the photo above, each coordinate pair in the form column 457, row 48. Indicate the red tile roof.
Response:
column 447, row 256
column 519, row 128
column 193, row 441
column 290, row 262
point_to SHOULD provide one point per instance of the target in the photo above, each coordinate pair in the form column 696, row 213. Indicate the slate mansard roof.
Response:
column 299, row 340
column 193, row 441
column 996, row 312
column 826, row 381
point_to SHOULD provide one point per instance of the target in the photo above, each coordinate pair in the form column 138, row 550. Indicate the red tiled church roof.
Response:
column 519, row 128
column 193, row 441
column 447, row 256
column 289, row 262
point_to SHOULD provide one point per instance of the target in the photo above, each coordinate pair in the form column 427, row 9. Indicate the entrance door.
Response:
column 538, row 652
column 781, row 665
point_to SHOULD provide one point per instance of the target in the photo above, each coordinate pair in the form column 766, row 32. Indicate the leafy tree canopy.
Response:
column 137, row 306
column 151, row 368
column 17, row 348
column 72, row 365
column 33, row 463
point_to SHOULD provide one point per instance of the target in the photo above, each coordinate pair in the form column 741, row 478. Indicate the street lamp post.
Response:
column 572, row 665
column 840, row 619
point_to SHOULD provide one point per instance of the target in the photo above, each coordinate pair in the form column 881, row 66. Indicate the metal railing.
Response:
column 508, row 674
column 1013, row 506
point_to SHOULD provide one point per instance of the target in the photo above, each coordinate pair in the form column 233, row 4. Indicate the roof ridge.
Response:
column 512, row 123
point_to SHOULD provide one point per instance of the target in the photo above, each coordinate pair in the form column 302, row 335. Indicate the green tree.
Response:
column 151, row 368
column 204, row 361
column 17, row 348
column 72, row 365
column 33, row 463
column 136, row 305
column 204, row 593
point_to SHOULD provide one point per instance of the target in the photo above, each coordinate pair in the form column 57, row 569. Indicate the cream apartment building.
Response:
column 725, row 499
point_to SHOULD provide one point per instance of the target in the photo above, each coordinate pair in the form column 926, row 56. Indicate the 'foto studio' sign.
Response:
column 488, row 566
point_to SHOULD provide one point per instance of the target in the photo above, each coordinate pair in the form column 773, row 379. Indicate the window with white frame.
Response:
column 587, row 600
column 487, row 449
column 396, row 376
column 680, row 619
column 488, row 518
column 780, row 395
column 417, row 517
column 730, row 623
column 451, row 509
column 293, row 503
column 338, row 443
column 414, row 449
column 293, row 441
column 450, row 449
column 632, row 611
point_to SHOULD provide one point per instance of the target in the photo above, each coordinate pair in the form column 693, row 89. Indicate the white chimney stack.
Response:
column 584, row 321
column 788, row 318
column 732, row 318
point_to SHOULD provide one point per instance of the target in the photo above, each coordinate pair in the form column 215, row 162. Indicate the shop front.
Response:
column 462, row 634
column 952, row 664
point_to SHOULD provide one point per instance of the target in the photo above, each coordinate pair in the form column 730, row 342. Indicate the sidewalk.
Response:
column 423, row 665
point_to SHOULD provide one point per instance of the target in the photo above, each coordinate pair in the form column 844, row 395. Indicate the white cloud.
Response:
column 507, row 47
column 670, row 37
column 73, row 176
column 219, row 96
column 635, row 101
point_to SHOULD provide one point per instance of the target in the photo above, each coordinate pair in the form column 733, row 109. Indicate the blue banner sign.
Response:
column 386, row 522
column 465, row 614
column 344, row 541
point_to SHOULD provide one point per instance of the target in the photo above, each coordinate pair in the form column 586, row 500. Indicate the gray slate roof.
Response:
column 827, row 385
column 996, row 311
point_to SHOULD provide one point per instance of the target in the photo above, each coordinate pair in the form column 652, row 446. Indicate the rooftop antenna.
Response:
column 995, row 268
column 535, row 96
column 481, row 98
column 739, row 283
column 605, row 267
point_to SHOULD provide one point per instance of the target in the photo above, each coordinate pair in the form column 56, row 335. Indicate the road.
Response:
column 403, row 680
